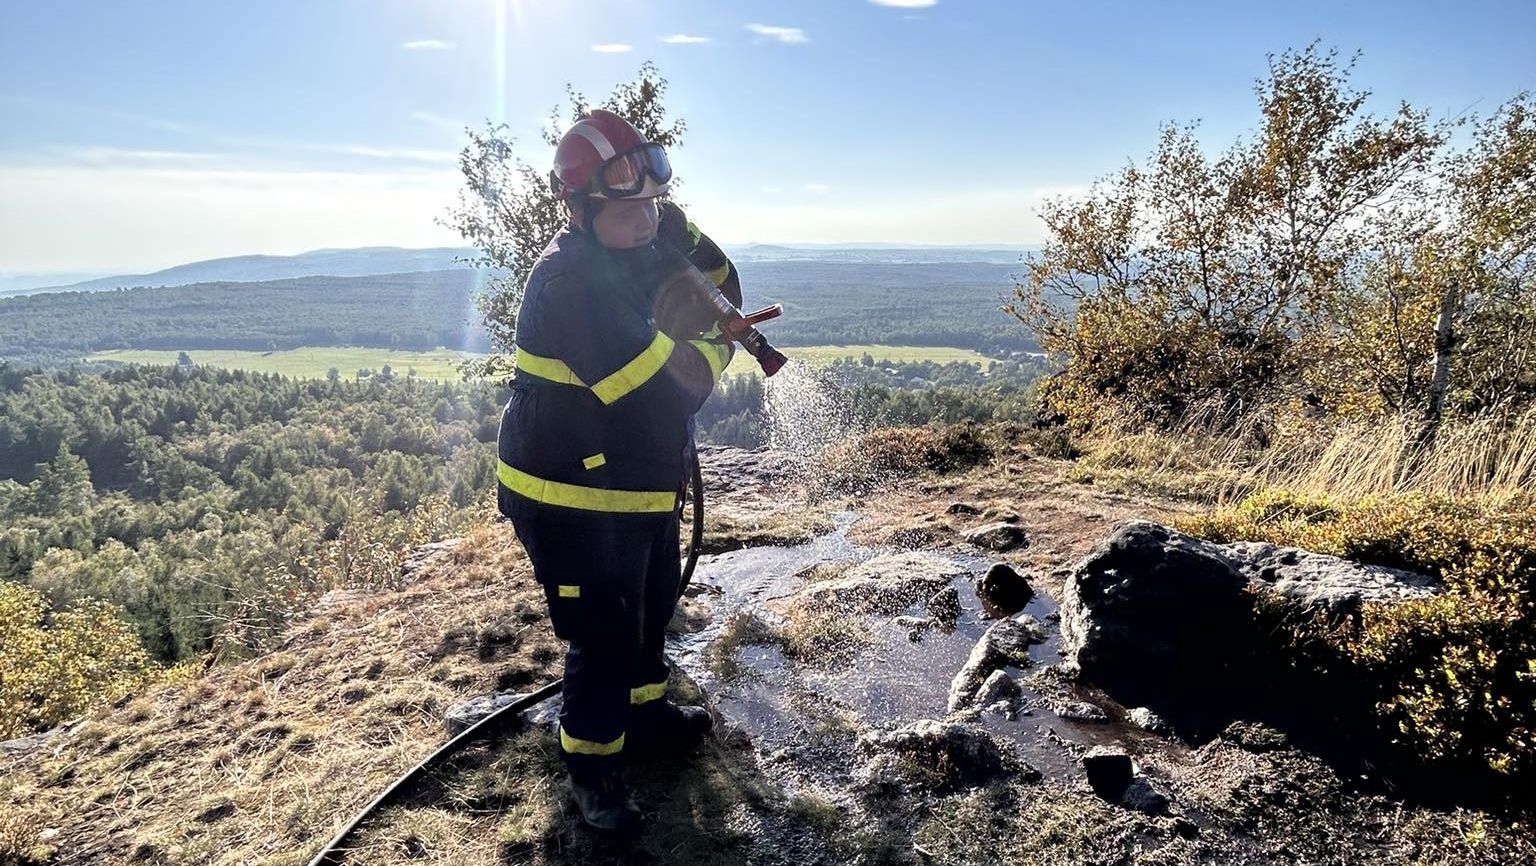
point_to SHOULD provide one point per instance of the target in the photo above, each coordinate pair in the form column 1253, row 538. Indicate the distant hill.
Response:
column 825, row 303
column 359, row 262
column 875, row 254
column 21, row 284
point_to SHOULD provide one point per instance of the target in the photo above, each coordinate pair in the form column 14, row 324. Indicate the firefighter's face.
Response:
column 626, row 223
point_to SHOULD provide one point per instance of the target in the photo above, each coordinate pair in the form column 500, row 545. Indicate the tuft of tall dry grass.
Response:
column 1492, row 459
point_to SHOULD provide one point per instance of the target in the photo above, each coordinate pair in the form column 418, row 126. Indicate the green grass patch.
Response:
column 309, row 362
column 822, row 356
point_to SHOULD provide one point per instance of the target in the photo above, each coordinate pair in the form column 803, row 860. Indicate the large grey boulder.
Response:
column 1151, row 601
column 1153, row 607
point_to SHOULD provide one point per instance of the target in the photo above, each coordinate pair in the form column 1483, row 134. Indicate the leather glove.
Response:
column 680, row 309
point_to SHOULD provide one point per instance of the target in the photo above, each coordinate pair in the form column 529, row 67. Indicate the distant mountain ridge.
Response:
column 359, row 262
column 374, row 261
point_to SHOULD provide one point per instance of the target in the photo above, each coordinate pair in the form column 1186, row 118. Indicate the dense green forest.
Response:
column 913, row 304
column 204, row 502
column 208, row 503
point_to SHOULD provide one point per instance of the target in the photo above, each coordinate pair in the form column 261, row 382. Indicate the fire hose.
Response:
column 737, row 326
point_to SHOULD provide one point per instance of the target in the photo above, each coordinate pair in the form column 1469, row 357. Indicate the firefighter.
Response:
column 614, row 357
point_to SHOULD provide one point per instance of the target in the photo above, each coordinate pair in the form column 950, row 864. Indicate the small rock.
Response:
column 460, row 717
column 998, row 688
column 1081, row 711
column 1144, row 718
column 1004, row 588
column 1185, row 828
column 1141, row 796
column 962, row 508
column 1006, row 642
column 1034, row 630
column 690, row 617
column 945, row 755
column 916, row 626
column 217, row 812
column 944, row 606
column 1254, row 737
column 1109, row 771
column 998, row 536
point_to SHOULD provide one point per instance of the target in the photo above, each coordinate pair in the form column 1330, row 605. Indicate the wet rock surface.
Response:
column 941, row 755
column 885, row 585
column 1005, row 643
column 1001, row 537
column 462, row 716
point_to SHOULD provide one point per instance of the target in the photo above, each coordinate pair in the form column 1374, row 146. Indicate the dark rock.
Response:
column 1004, row 588
column 962, row 508
column 998, row 536
column 1006, row 642
column 1109, row 771
column 460, row 717
column 945, row 605
column 944, row 755
column 1150, row 605
column 1141, row 796
column 1185, row 828
column 1081, row 711
column 1144, row 718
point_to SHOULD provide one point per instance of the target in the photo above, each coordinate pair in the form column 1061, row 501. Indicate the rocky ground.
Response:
column 892, row 681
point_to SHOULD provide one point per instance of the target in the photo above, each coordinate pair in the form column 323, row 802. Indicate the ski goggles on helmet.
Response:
column 626, row 175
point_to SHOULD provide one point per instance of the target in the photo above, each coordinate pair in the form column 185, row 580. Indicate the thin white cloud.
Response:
column 782, row 34
column 438, row 121
column 612, row 48
column 817, row 187
column 906, row 4
column 119, row 156
column 395, row 153
column 428, row 45
column 772, row 190
column 685, row 39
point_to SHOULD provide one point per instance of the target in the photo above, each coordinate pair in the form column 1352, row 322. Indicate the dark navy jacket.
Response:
column 602, row 401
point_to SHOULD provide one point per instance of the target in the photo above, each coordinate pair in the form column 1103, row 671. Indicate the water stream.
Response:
column 810, row 713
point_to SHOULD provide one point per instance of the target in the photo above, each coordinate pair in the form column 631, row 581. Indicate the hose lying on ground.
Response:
column 333, row 853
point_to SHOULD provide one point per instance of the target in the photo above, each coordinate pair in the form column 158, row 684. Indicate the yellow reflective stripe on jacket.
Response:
column 553, row 369
column 586, row 498
column 595, row 460
column 646, row 694
column 637, row 372
column 719, row 275
column 569, row 591
column 717, row 355
column 694, row 233
column 577, row 746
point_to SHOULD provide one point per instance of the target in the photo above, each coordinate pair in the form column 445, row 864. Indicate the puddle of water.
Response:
column 783, row 705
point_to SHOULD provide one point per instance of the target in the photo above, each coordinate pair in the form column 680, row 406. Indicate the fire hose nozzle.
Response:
column 738, row 327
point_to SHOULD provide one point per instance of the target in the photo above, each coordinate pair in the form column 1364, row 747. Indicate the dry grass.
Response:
column 260, row 762
column 1486, row 458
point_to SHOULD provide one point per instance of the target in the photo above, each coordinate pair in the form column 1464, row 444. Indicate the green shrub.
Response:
column 54, row 667
column 1452, row 677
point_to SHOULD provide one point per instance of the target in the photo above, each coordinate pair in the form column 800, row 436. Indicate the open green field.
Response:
column 820, row 356
column 313, row 362
column 304, row 363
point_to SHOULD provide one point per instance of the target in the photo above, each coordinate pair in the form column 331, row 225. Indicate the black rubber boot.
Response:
column 597, row 784
column 662, row 727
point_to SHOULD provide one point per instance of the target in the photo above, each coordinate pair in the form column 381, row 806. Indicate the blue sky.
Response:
column 145, row 134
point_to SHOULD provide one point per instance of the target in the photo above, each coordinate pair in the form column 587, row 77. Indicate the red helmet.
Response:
column 604, row 156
